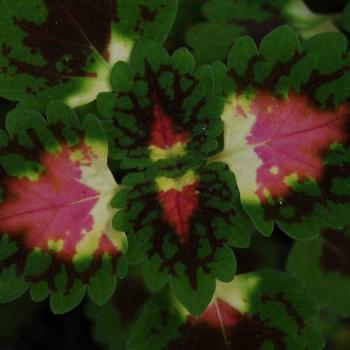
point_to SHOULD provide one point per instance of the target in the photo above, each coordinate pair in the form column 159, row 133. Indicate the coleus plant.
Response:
column 287, row 116
column 180, row 214
column 262, row 310
column 198, row 156
column 65, row 49
column 56, row 219
column 227, row 20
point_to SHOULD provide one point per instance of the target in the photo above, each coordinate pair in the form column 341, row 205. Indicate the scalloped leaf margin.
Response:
column 64, row 49
column 287, row 130
column 182, row 229
column 162, row 111
column 56, row 234
column 258, row 310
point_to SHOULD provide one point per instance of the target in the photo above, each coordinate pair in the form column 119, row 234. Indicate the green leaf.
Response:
column 162, row 112
column 287, row 131
column 11, row 287
column 241, row 54
column 195, row 300
column 102, row 286
column 65, row 49
column 227, row 20
column 323, row 265
column 62, row 301
column 260, row 310
column 182, row 229
column 55, row 214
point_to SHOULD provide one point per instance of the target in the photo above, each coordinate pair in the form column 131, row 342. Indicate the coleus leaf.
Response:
column 259, row 310
column 162, row 110
column 324, row 266
column 64, row 49
column 227, row 20
column 182, row 228
column 113, row 322
column 287, row 129
column 56, row 234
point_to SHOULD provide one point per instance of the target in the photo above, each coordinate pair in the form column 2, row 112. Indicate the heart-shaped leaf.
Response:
column 56, row 230
column 287, row 130
column 182, row 229
column 260, row 310
column 324, row 266
column 64, row 49
column 227, row 20
column 162, row 110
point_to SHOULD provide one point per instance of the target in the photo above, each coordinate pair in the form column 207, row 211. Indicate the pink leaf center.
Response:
column 292, row 136
column 178, row 207
column 54, row 208
column 163, row 134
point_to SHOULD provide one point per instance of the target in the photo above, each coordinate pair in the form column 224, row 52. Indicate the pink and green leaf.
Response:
column 162, row 110
column 226, row 20
column 65, row 49
column 182, row 229
column 287, row 130
column 324, row 266
column 56, row 232
column 259, row 310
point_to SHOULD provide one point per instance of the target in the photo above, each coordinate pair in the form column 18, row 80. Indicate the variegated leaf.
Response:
column 260, row 310
column 287, row 129
column 182, row 229
column 56, row 234
column 163, row 111
column 65, row 49
column 227, row 20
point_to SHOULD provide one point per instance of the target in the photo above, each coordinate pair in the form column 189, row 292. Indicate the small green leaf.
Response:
column 241, row 53
column 122, row 77
column 62, row 302
column 39, row 291
column 102, row 285
column 11, row 287
column 195, row 300
column 183, row 61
